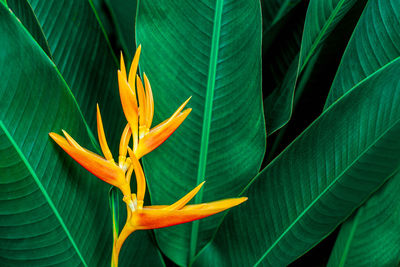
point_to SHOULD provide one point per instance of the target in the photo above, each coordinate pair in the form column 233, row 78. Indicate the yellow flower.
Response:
column 138, row 107
column 140, row 115
column 158, row 216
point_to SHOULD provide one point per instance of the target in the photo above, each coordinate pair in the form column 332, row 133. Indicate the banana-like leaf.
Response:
column 374, row 43
column 82, row 54
column 212, row 52
column 322, row 17
column 318, row 181
column 23, row 10
column 53, row 211
column 371, row 237
column 123, row 14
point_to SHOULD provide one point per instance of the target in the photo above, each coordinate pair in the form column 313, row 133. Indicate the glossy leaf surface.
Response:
column 210, row 50
column 322, row 17
column 372, row 236
column 335, row 164
column 83, row 56
column 374, row 43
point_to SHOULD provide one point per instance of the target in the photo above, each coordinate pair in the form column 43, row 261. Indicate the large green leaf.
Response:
column 372, row 236
column 374, row 43
column 210, row 50
column 318, row 181
column 81, row 53
column 53, row 212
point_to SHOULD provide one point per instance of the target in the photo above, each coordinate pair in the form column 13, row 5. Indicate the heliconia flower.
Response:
column 103, row 167
column 138, row 107
column 159, row 216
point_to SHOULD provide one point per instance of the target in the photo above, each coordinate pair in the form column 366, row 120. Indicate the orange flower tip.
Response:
column 55, row 136
column 187, row 111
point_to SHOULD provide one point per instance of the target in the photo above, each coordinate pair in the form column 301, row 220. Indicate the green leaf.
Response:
column 318, row 181
column 23, row 10
column 53, row 212
column 322, row 17
column 275, row 10
column 211, row 52
column 83, row 56
column 374, row 43
column 123, row 14
column 372, row 236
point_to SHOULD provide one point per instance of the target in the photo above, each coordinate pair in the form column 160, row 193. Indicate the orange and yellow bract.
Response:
column 138, row 106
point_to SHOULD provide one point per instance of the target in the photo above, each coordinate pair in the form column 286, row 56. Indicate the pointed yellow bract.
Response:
column 104, row 169
column 138, row 106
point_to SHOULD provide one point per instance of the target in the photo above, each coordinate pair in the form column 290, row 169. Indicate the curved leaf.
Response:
column 372, row 236
column 212, row 52
column 322, row 17
column 53, row 212
column 123, row 13
column 83, row 56
column 374, row 43
column 23, row 10
column 305, row 192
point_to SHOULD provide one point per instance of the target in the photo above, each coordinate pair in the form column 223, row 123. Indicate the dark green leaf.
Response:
column 372, row 236
column 83, row 56
column 374, row 43
column 23, row 10
column 318, row 181
column 123, row 13
column 212, row 52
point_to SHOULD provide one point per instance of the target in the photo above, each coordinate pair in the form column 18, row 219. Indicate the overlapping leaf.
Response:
column 82, row 54
column 53, row 212
column 322, row 17
column 212, row 52
column 372, row 237
column 374, row 43
column 318, row 181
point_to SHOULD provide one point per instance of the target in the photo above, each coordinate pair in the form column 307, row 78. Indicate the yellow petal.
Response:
column 150, row 218
column 142, row 106
column 129, row 105
column 100, row 167
column 134, row 65
column 72, row 142
column 183, row 201
column 123, row 144
column 178, row 111
column 140, row 178
column 102, row 137
column 159, row 134
column 149, row 102
column 122, row 66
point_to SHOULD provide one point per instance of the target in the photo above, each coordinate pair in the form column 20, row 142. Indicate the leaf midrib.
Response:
column 320, row 35
column 212, row 70
column 43, row 190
